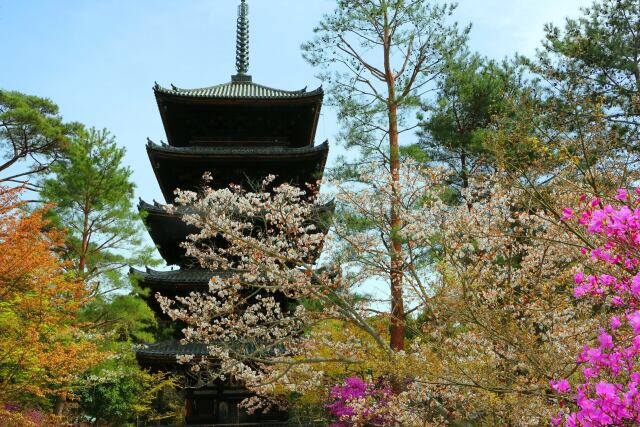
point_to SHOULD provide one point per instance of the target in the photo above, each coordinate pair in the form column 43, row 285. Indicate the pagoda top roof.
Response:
column 236, row 90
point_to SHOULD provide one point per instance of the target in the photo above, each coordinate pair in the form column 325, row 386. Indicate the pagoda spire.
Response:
column 242, row 43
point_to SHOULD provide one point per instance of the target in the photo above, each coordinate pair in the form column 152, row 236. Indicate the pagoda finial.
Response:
column 242, row 44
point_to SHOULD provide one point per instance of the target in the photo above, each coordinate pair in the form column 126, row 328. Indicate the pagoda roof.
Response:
column 161, row 208
column 183, row 167
column 164, row 354
column 238, row 90
column 167, row 352
column 239, row 152
column 188, row 276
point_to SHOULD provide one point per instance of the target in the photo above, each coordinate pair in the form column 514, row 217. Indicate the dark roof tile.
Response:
column 238, row 151
column 187, row 276
column 238, row 90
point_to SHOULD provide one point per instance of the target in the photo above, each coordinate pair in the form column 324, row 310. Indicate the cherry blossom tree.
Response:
column 263, row 314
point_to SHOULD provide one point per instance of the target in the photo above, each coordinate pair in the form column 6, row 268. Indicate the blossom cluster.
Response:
column 357, row 403
column 608, row 391
column 500, row 322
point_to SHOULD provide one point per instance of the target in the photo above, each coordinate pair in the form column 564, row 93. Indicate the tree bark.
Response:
column 85, row 243
column 61, row 403
column 397, row 298
column 61, row 400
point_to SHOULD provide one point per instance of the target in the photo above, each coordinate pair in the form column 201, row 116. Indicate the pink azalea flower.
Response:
column 634, row 321
column 567, row 214
column 622, row 194
column 615, row 322
column 608, row 393
column 606, row 341
column 560, row 386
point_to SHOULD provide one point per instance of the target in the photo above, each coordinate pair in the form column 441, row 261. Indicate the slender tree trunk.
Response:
column 61, row 403
column 463, row 168
column 61, row 400
column 397, row 299
column 82, row 262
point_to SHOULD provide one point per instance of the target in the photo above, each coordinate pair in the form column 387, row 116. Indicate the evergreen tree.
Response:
column 92, row 192
column 596, row 58
column 472, row 92
column 380, row 58
column 30, row 130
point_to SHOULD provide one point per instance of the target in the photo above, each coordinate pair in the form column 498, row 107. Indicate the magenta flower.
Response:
column 561, row 386
column 354, row 395
column 567, row 214
column 607, row 393
column 622, row 194
column 615, row 322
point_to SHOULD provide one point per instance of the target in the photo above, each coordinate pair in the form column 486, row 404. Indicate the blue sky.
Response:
column 98, row 60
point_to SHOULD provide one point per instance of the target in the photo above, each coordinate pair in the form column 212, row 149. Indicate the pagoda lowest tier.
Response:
column 217, row 403
column 168, row 231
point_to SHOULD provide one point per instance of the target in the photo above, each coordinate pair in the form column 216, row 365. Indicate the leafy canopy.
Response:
column 93, row 192
column 31, row 130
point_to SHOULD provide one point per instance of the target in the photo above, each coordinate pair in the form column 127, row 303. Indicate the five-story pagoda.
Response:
column 240, row 132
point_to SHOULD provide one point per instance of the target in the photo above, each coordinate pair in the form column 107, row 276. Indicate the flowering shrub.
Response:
column 608, row 392
column 13, row 415
column 359, row 403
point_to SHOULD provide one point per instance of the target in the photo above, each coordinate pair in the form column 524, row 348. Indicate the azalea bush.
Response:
column 607, row 390
column 358, row 402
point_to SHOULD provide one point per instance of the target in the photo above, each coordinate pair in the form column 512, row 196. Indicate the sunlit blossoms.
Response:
column 607, row 392
column 261, row 267
column 272, row 302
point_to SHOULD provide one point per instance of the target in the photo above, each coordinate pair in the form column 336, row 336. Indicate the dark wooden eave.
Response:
column 238, row 111
column 164, row 354
column 183, row 280
column 183, row 167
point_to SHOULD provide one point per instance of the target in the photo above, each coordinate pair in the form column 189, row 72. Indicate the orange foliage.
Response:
column 41, row 346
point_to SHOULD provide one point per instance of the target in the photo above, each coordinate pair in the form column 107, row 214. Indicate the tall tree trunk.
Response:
column 61, row 403
column 397, row 299
column 61, row 400
column 82, row 262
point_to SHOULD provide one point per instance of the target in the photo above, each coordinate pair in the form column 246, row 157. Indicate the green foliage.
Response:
column 118, row 392
column 472, row 91
column 92, row 192
column 31, row 129
column 349, row 51
column 597, row 58
column 126, row 318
